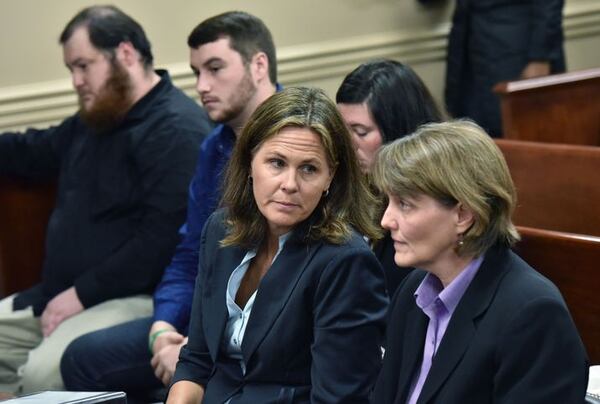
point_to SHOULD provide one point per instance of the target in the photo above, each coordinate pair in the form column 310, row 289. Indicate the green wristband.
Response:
column 154, row 335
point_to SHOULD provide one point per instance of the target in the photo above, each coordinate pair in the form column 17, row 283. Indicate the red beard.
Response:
column 113, row 101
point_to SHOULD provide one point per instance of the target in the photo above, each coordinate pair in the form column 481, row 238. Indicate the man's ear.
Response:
column 127, row 54
column 260, row 66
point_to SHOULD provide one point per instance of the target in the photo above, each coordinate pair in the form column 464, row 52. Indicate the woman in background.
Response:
column 380, row 101
column 474, row 323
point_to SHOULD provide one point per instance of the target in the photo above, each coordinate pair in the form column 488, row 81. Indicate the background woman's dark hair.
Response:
column 397, row 98
column 107, row 27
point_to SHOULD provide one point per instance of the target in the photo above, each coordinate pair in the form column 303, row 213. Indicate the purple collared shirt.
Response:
column 438, row 303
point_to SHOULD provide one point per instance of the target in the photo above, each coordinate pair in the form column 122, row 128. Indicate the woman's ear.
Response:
column 464, row 218
column 331, row 175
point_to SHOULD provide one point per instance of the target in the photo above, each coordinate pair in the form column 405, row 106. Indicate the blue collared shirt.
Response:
column 238, row 317
column 173, row 296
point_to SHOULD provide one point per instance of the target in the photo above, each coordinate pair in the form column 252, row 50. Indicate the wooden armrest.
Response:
column 25, row 208
column 571, row 262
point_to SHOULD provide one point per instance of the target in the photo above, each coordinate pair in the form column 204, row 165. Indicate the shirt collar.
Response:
column 139, row 109
column 252, row 253
column 226, row 138
column 431, row 288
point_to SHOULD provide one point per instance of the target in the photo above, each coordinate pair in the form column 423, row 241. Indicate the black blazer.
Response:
column 315, row 331
column 510, row 340
column 492, row 41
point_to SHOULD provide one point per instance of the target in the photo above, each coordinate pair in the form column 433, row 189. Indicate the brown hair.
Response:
column 349, row 202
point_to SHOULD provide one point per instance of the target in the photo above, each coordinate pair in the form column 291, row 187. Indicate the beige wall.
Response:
column 318, row 43
column 29, row 29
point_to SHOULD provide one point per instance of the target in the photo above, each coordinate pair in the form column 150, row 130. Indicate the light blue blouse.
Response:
column 238, row 318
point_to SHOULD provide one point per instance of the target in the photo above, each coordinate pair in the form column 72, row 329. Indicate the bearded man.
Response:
column 234, row 60
column 123, row 163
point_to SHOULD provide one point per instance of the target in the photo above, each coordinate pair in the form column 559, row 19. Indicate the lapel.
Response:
column 463, row 324
column 214, row 304
column 412, row 350
column 274, row 291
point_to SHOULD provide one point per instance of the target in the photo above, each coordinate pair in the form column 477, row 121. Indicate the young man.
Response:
column 233, row 57
column 123, row 164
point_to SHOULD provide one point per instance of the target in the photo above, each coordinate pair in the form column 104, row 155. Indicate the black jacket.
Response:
column 315, row 330
column 510, row 340
column 121, row 195
column 492, row 41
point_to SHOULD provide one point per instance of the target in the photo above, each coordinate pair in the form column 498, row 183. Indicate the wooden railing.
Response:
column 572, row 263
column 24, row 211
column 558, row 186
column 558, row 217
column 561, row 108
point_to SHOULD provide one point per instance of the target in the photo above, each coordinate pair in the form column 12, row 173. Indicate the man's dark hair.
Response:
column 247, row 35
column 107, row 27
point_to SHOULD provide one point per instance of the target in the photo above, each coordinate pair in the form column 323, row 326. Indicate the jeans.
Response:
column 113, row 359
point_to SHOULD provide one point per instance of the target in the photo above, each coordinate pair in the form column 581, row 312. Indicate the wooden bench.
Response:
column 558, row 217
column 572, row 263
column 561, row 108
column 558, row 186
column 24, row 211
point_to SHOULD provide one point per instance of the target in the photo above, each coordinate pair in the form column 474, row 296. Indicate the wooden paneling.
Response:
column 561, row 108
column 24, row 211
column 572, row 263
column 558, row 186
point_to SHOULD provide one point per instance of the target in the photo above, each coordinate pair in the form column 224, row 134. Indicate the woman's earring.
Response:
column 250, row 179
column 325, row 193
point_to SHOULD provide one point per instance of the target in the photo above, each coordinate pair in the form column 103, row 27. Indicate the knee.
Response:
column 76, row 365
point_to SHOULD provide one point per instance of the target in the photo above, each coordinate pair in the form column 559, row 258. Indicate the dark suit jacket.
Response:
column 314, row 333
column 492, row 41
column 510, row 340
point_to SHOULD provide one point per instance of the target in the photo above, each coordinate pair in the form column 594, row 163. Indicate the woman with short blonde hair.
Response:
column 474, row 323
column 454, row 162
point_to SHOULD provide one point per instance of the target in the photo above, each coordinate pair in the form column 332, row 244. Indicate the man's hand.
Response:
column 60, row 308
column 535, row 69
column 165, row 339
column 165, row 359
column 160, row 327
